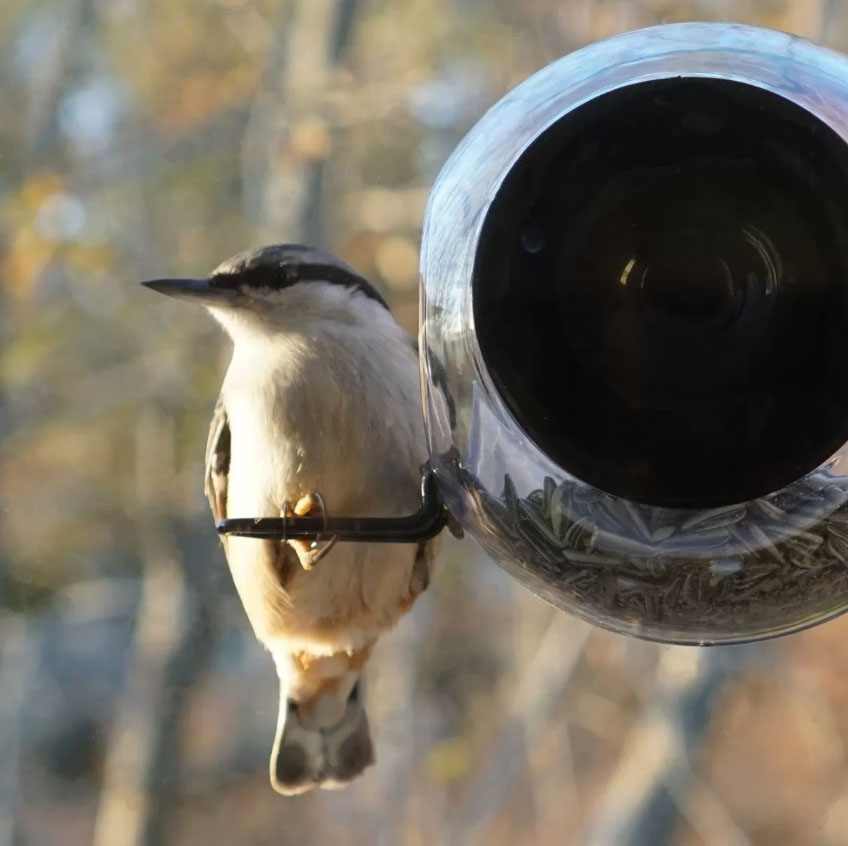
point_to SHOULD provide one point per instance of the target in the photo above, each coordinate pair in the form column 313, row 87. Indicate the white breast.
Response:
column 340, row 414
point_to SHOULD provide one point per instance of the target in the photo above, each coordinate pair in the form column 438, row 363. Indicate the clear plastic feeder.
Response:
column 635, row 333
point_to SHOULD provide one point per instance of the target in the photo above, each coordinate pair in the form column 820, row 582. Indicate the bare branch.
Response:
column 19, row 663
column 173, row 641
column 539, row 691
column 639, row 806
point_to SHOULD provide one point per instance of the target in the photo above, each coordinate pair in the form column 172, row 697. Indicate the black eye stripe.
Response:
column 281, row 276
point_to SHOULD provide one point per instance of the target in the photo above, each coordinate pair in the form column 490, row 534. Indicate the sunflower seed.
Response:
column 806, row 540
column 652, row 566
column 636, row 518
column 529, row 513
column 837, row 547
column 769, row 509
column 662, row 534
column 839, row 530
column 763, row 542
column 559, row 507
column 548, row 488
column 510, row 497
column 715, row 517
column 586, row 494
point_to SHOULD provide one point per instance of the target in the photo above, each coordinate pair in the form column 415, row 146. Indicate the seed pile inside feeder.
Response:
column 727, row 573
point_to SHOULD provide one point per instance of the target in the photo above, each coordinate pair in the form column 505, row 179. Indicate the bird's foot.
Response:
column 309, row 552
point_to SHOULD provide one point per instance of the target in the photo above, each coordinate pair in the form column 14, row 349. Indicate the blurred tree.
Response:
column 147, row 137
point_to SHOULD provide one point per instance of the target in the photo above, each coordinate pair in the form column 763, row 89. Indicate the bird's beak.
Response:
column 195, row 290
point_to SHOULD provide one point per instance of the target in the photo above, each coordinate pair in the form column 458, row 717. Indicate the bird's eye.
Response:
column 657, row 435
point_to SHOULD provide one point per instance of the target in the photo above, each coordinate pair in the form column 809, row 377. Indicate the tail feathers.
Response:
column 324, row 743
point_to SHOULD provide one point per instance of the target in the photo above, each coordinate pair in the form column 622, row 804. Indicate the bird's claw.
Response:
column 309, row 552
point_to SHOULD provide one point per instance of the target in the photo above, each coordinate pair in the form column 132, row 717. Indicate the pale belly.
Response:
column 286, row 443
column 354, row 593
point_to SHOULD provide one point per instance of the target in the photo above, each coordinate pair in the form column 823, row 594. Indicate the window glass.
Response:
column 150, row 138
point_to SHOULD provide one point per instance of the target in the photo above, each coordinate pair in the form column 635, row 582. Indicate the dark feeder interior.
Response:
column 661, row 292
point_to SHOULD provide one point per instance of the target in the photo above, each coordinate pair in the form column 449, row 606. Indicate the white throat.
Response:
column 319, row 374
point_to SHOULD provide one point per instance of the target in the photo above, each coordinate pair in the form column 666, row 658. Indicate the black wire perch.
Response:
column 426, row 523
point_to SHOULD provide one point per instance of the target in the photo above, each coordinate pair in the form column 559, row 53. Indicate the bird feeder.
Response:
column 634, row 338
column 635, row 333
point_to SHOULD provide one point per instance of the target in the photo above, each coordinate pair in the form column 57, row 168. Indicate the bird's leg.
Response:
column 311, row 552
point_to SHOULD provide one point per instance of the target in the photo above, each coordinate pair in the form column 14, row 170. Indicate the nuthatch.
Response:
column 319, row 413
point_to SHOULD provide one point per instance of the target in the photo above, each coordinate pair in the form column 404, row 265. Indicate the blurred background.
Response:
column 142, row 138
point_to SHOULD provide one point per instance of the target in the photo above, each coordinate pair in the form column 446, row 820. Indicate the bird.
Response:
column 319, row 413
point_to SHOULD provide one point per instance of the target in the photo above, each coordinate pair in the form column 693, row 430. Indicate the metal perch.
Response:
column 424, row 524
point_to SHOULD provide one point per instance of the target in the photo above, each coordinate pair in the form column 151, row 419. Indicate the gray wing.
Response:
column 218, row 464
column 278, row 554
